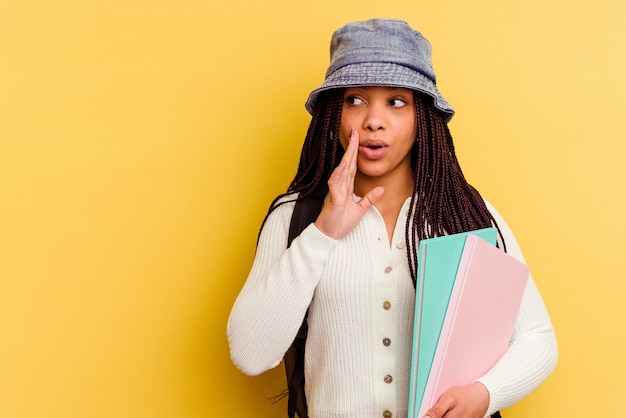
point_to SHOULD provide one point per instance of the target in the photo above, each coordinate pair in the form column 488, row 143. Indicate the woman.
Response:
column 379, row 150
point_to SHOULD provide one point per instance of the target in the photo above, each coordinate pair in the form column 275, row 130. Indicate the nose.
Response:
column 374, row 119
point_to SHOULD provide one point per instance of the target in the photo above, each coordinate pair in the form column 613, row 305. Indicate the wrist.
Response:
column 482, row 396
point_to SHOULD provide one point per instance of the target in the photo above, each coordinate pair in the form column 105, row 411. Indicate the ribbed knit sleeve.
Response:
column 271, row 306
column 532, row 353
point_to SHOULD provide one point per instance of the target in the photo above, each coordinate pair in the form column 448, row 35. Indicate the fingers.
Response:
column 437, row 411
column 342, row 178
column 470, row 401
column 443, row 405
column 371, row 198
column 353, row 150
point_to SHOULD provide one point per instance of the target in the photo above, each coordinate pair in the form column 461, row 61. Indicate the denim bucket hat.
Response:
column 381, row 52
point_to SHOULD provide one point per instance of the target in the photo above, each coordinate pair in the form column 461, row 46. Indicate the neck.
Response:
column 397, row 190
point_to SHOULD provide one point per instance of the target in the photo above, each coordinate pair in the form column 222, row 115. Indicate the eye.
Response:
column 354, row 100
column 397, row 102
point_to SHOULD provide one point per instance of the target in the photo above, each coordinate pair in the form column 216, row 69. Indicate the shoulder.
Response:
column 281, row 209
column 276, row 223
column 494, row 212
column 510, row 241
column 283, row 206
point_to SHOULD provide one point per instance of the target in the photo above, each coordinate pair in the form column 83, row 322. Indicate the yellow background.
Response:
column 142, row 141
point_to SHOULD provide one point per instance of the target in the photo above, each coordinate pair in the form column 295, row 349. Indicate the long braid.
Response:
column 321, row 151
column 442, row 202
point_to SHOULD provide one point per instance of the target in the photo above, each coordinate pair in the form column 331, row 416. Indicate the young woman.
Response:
column 379, row 151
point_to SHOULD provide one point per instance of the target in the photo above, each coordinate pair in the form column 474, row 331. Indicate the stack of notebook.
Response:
column 468, row 294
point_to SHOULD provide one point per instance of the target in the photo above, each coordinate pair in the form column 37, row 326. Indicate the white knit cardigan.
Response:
column 361, row 301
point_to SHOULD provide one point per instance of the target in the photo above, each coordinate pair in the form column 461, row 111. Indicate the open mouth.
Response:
column 373, row 151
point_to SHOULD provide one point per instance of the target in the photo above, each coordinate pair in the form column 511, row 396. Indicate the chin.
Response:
column 373, row 173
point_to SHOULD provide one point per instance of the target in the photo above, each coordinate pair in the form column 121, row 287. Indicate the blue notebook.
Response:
column 438, row 262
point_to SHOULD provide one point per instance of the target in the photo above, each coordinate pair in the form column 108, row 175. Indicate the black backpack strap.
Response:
column 304, row 213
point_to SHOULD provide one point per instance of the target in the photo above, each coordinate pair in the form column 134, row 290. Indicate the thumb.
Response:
column 371, row 198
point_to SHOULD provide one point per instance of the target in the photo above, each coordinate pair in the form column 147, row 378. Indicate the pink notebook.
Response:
column 479, row 322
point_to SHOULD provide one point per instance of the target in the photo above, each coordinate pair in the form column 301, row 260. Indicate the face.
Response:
column 385, row 120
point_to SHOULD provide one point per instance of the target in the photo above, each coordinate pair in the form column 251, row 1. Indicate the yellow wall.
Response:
column 142, row 141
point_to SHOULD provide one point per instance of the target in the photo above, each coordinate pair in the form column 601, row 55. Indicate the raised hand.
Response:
column 340, row 213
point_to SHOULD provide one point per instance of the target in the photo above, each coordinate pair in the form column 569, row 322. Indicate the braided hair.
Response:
column 442, row 202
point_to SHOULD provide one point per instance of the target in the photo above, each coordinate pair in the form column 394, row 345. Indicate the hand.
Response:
column 462, row 402
column 340, row 213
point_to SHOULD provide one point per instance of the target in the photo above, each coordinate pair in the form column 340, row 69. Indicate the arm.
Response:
column 528, row 361
column 270, row 307
column 532, row 353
